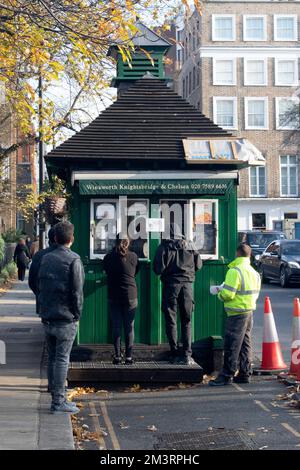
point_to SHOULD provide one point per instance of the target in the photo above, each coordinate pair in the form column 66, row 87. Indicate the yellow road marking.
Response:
column 109, row 426
column 291, row 429
column 101, row 442
column 263, row 407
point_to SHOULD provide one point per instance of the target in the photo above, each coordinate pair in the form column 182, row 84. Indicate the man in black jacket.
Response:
column 176, row 261
column 60, row 301
column 36, row 263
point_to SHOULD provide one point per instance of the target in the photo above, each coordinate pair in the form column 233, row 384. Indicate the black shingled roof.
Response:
column 148, row 121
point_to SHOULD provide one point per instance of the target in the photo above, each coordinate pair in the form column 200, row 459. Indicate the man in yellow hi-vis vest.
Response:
column 239, row 294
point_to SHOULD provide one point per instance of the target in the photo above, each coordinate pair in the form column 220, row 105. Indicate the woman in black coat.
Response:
column 121, row 267
column 21, row 258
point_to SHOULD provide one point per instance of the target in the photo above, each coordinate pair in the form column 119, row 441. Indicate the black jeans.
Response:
column 237, row 345
column 173, row 296
column 21, row 273
column 123, row 315
column 59, row 339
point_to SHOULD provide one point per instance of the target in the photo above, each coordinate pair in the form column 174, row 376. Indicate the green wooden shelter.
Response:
column 148, row 151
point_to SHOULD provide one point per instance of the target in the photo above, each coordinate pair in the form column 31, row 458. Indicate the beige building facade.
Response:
column 239, row 65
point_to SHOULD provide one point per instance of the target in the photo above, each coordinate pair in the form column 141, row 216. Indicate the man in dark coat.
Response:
column 21, row 258
column 60, row 302
column 36, row 263
column 176, row 261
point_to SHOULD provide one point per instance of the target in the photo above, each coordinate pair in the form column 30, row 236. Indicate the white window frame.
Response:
column 215, row 81
column 216, row 202
column 213, row 32
column 291, row 59
column 277, row 101
column 115, row 200
column 257, row 98
column 257, row 172
column 226, row 98
column 265, row 61
column 295, row 18
column 288, row 166
column 245, row 17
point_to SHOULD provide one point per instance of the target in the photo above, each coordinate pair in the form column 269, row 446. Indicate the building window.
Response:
column 225, row 112
column 190, row 83
column 223, row 27
column 259, row 221
column 183, row 88
column 255, row 72
column 291, row 215
column 198, row 74
column 286, row 72
column 257, row 181
column 287, row 113
column 289, row 175
column 255, row 28
column 285, row 28
column 256, row 113
column 224, row 72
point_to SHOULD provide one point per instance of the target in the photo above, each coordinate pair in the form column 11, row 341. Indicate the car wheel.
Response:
column 283, row 277
column 264, row 280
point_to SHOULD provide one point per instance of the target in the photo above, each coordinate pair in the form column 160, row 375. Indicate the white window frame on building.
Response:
column 260, row 172
column 215, row 113
column 266, row 113
column 245, row 36
column 282, row 83
column 293, row 99
column 295, row 32
column 222, row 38
column 288, row 165
column 247, row 82
column 217, row 81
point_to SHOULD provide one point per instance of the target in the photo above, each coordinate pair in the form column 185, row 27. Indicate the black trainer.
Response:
column 117, row 360
column 129, row 361
column 241, row 379
column 220, row 381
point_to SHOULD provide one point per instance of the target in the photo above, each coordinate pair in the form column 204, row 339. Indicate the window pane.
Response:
column 288, row 113
column 293, row 180
column 137, row 213
column 255, row 28
column 205, row 227
column 224, row 71
column 225, row 113
column 223, row 28
column 255, row 72
column 286, row 71
column 284, row 180
column 256, row 113
column 285, row 28
column 292, row 160
column 104, row 227
column 262, row 181
column 253, row 182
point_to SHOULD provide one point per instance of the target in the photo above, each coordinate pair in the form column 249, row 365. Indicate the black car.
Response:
column 258, row 241
column 281, row 262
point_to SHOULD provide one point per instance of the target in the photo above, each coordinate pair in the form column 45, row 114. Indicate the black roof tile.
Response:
column 148, row 121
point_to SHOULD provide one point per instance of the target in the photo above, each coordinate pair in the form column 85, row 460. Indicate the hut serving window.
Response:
column 112, row 216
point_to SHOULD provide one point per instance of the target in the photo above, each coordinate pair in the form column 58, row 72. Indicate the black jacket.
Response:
column 121, row 272
column 34, row 270
column 21, row 256
column 60, row 285
column 176, row 261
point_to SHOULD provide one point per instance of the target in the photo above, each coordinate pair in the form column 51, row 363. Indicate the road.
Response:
column 282, row 306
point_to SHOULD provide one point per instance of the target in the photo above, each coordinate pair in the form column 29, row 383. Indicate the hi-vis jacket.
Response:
column 241, row 287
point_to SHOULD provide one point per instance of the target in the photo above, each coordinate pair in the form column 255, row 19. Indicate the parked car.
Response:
column 258, row 241
column 281, row 262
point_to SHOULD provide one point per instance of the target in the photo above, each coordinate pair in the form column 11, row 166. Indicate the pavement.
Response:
column 25, row 421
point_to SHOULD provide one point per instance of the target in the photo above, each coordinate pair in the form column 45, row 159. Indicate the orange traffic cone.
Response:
column 295, row 352
column 271, row 351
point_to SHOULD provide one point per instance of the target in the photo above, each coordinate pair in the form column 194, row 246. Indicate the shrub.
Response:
column 12, row 235
column 2, row 249
column 4, row 275
column 11, row 268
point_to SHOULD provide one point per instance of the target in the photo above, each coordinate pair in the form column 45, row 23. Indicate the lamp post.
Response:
column 41, row 159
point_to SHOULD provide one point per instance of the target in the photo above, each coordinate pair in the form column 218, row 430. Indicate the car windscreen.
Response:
column 291, row 248
column 262, row 240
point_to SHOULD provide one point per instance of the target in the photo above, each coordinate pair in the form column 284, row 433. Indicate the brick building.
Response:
column 239, row 65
